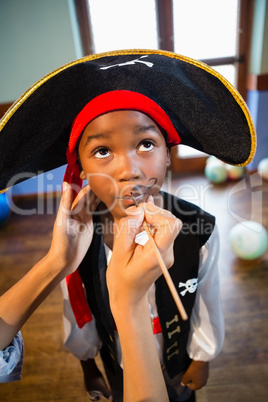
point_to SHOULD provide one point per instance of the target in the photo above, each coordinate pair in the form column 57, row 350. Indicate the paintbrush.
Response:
column 164, row 269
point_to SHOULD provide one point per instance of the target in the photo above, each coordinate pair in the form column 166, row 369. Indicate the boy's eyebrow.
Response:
column 95, row 137
column 149, row 127
column 137, row 130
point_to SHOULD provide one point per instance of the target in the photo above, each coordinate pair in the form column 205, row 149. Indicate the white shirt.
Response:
column 206, row 324
column 11, row 359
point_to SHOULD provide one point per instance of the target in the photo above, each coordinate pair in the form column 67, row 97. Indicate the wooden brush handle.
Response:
column 166, row 274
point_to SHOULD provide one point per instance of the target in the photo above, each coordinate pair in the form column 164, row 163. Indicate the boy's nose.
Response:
column 128, row 169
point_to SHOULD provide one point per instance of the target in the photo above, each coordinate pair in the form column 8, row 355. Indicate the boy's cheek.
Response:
column 104, row 191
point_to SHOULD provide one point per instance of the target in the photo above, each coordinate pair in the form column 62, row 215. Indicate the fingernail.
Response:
column 64, row 186
column 134, row 210
column 95, row 395
column 150, row 199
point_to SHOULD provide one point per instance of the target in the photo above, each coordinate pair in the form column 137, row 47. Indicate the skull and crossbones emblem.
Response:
column 190, row 286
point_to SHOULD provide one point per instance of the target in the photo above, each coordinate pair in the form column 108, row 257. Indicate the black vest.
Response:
column 196, row 230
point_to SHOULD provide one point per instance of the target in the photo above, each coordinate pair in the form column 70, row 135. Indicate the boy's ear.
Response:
column 82, row 175
column 168, row 157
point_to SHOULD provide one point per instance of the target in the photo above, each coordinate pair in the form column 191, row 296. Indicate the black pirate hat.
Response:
column 202, row 108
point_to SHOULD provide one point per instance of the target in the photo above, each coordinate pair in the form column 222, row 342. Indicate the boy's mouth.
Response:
column 139, row 197
column 139, row 192
column 140, row 188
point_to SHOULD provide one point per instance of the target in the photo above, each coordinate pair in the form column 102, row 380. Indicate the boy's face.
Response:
column 123, row 152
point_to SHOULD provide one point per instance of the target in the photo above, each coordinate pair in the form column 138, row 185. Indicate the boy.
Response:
column 128, row 108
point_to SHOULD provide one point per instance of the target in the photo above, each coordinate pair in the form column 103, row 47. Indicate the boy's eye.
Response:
column 101, row 153
column 146, row 146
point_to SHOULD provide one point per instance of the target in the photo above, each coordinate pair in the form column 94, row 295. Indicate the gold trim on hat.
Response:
column 197, row 63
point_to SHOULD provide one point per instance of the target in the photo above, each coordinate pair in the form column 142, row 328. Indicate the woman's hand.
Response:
column 132, row 270
column 72, row 235
column 133, row 267
column 73, row 228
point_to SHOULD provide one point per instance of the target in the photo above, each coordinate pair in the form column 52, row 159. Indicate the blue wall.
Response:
column 258, row 106
column 43, row 183
column 258, row 100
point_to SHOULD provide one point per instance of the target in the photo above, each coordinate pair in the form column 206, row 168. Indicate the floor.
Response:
column 238, row 374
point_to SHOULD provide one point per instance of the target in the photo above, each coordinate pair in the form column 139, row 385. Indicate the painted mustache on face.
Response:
column 139, row 191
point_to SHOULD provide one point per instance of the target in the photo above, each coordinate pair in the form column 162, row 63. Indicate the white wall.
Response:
column 36, row 38
column 259, row 50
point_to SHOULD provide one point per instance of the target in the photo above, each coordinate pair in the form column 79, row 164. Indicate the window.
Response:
column 212, row 37
column 205, row 29
column 121, row 24
column 216, row 32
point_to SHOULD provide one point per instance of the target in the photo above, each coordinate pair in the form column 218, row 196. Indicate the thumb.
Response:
column 185, row 379
column 127, row 228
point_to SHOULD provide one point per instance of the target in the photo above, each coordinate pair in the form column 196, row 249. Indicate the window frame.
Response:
column 164, row 15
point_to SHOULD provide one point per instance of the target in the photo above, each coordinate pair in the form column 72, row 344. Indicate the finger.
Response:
column 65, row 203
column 163, row 221
column 185, row 381
column 85, row 197
column 81, row 196
column 163, row 225
column 191, row 385
column 127, row 228
column 67, row 196
column 153, row 209
column 150, row 200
